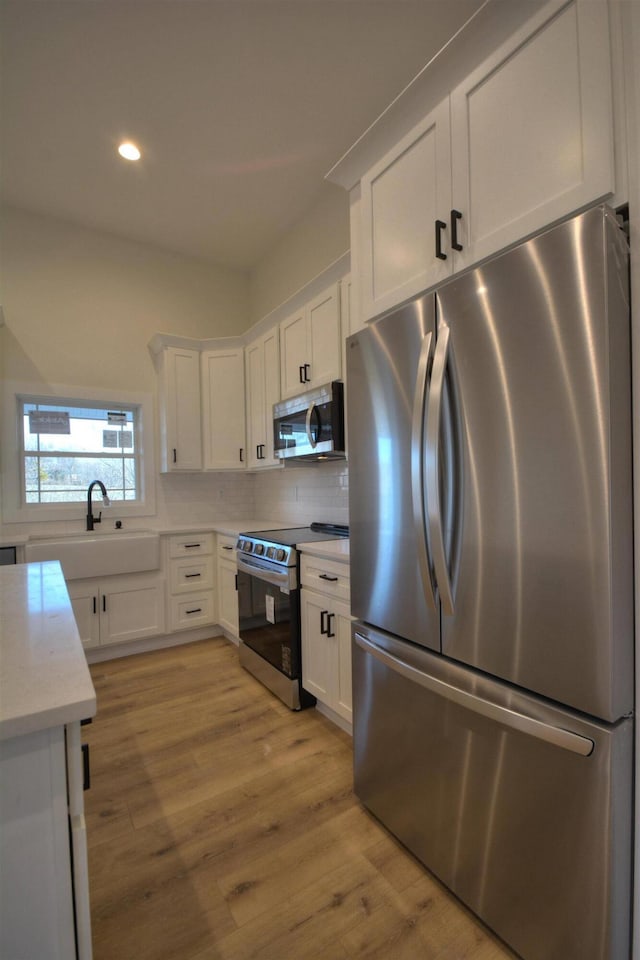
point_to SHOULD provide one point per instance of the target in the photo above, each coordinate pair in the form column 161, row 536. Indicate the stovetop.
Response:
column 279, row 546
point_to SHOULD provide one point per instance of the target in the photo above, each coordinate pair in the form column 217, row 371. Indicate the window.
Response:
column 67, row 444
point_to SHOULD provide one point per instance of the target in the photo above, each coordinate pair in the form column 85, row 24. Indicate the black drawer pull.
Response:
column 225, row 547
column 86, row 768
column 323, row 625
column 195, row 610
column 329, row 634
column 175, row 455
column 188, row 576
column 301, row 370
column 190, row 546
column 325, row 576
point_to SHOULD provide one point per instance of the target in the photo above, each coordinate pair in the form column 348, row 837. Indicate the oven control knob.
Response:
column 280, row 555
column 246, row 546
column 259, row 549
column 271, row 552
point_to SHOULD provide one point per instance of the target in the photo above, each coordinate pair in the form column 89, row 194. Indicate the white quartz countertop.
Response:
column 44, row 677
column 327, row 549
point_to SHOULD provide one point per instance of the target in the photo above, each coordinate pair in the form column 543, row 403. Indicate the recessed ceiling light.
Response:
column 129, row 151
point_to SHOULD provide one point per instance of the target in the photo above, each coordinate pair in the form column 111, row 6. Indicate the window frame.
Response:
column 16, row 509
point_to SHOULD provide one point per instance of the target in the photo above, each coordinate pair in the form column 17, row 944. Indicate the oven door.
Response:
column 269, row 622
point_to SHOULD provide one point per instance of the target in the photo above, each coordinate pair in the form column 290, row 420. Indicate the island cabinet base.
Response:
column 44, row 896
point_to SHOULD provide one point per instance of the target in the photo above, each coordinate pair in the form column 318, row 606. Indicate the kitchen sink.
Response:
column 98, row 554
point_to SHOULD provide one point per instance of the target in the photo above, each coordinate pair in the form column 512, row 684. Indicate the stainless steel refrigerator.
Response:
column 492, row 582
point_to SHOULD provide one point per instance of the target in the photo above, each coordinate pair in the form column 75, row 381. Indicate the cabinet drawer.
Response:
column 190, row 545
column 227, row 547
column 193, row 611
column 187, row 574
column 330, row 577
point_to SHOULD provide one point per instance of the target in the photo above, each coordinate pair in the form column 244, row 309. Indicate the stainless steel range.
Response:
column 269, row 606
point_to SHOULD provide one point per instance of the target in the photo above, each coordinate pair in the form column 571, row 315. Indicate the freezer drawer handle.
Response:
column 509, row 718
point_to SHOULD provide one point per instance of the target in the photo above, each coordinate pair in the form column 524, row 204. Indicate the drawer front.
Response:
column 193, row 611
column 326, row 576
column 190, row 545
column 227, row 547
column 187, row 575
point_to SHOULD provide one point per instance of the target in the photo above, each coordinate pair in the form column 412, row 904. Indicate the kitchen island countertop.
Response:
column 44, row 677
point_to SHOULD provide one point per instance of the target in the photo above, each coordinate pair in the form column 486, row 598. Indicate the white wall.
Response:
column 80, row 307
column 312, row 244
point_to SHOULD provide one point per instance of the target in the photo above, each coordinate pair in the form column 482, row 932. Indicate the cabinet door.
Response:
column 256, row 416
column 228, row 597
column 85, row 596
column 132, row 608
column 323, row 317
column 318, row 656
column 295, row 352
column 271, row 394
column 341, row 626
column 532, row 129
column 180, row 410
column 223, row 420
column 402, row 196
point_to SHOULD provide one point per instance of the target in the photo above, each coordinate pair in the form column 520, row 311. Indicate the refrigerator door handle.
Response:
column 417, row 476
column 434, row 510
column 556, row 736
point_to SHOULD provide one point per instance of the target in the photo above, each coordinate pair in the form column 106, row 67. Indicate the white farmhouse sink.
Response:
column 99, row 555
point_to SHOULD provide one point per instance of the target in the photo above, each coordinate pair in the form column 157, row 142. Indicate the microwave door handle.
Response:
column 417, row 474
column 310, row 412
column 434, row 509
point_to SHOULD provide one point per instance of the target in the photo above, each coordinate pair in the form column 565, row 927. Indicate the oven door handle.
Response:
column 278, row 578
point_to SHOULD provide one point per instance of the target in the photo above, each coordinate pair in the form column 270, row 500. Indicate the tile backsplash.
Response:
column 319, row 491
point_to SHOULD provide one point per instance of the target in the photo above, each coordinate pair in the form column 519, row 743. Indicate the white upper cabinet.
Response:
column 179, row 395
column 262, row 365
column 310, row 344
column 523, row 141
column 403, row 197
column 531, row 130
column 223, row 423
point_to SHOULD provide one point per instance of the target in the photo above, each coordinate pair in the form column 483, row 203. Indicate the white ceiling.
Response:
column 240, row 108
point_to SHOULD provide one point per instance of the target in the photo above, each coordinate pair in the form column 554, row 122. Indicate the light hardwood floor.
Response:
column 222, row 826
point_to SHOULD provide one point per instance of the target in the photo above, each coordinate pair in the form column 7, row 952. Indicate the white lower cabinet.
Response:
column 118, row 609
column 191, row 599
column 326, row 633
column 44, row 883
column 227, row 586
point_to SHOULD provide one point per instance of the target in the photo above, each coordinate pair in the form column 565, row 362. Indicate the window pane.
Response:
column 66, row 479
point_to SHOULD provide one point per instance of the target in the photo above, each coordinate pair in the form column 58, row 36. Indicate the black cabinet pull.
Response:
column 241, row 454
column 301, row 369
column 440, row 226
column 323, row 625
column 195, row 610
column 455, row 216
column 191, row 546
column 325, row 576
column 225, row 547
column 95, row 605
column 188, row 576
column 175, row 455
column 86, row 768
column 236, row 581
column 329, row 634
column 307, row 367
column 104, row 604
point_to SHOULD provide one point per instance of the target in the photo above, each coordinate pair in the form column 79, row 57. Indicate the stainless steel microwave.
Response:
column 311, row 425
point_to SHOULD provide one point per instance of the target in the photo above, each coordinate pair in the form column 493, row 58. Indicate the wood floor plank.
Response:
column 222, row 826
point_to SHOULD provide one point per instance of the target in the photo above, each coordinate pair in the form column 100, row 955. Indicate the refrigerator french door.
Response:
column 491, row 575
